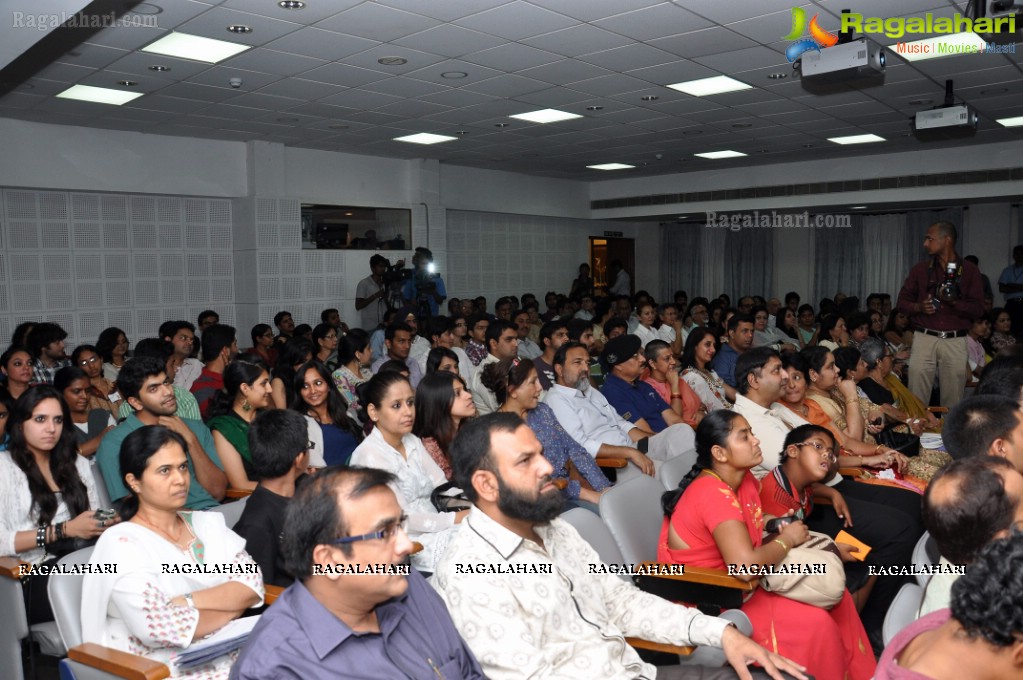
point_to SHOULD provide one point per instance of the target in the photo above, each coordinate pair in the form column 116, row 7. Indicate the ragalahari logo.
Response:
column 819, row 39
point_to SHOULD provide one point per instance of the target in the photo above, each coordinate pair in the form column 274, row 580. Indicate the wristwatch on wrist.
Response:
column 189, row 601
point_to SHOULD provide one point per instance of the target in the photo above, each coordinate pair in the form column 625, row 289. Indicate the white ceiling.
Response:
column 313, row 80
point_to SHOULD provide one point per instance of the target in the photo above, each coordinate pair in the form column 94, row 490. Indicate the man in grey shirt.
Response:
column 371, row 294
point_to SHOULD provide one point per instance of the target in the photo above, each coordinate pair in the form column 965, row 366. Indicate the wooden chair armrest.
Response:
column 822, row 501
column 850, row 472
column 121, row 664
column 237, row 493
column 11, row 567
column 938, row 409
column 706, row 576
column 417, row 547
column 660, row 647
column 709, row 590
column 612, row 462
column 271, row 594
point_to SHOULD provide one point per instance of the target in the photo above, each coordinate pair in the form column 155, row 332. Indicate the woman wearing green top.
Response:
column 246, row 390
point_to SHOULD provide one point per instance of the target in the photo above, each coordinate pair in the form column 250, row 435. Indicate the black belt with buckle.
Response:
column 944, row 335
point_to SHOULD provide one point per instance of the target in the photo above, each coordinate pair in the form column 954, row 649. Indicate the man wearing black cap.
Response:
column 635, row 400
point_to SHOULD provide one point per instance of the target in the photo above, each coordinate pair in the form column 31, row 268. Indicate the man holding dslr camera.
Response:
column 425, row 290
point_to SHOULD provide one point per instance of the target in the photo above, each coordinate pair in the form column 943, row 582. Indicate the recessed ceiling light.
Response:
column 857, row 207
column 683, row 217
column 461, row 132
column 392, row 61
column 546, row 116
column 287, row 120
column 453, row 75
column 348, row 214
column 145, row 8
column 337, row 126
column 1015, row 121
column 856, row 139
column 950, row 45
column 425, row 138
column 159, row 67
column 127, row 83
column 808, row 146
column 707, row 86
column 777, row 75
column 742, row 126
column 98, row 95
column 594, row 108
column 994, row 90
column 501, row 125
column 239, row 28
column 713, row 155
column 195, row 47
column 291, row 4
column 921, row 102
column 690, row 133
column 649, row 98
column 611, row 166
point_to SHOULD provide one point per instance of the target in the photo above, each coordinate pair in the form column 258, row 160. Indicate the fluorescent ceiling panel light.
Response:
column 856, row 139
column 611, row 166
column 424, row 138
column 707, row 86
column 720, row 154
column 546, row 116
column 1010, row 122
column 939, row 46
column 99, row 95
column 195, row 47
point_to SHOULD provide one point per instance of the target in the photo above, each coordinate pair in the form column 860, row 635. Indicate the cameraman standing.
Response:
column 371, row 294
column 425, row 290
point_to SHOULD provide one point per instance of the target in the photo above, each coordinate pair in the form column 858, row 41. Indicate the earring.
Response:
column 246, row 406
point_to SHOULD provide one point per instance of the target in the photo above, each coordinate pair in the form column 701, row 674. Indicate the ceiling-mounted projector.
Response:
column 1000, row 12
column 949, row 121
column 858, row 63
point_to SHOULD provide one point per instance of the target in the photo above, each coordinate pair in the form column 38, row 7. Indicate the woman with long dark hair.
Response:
column 16, row 365
column 316, row 397
column 699, row 350
column 441, row 359
column 47, row 491
column 90, row 424
column 112, row 346
column 354, row 357
column 102, row 392
column 291, row 355
column 161, row 599
column 442, row 402
column 325, row 341
column 6, row 405
column 246, row 391
column 714, row 518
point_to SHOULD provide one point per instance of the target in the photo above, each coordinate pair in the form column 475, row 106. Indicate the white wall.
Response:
column 465, row 188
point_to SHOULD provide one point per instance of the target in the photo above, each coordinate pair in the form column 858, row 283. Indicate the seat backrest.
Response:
column 902, row 611
column 232, row 511
column 925, row 554
column 101, row 486
column 632, row 512
column 65, row 592
column 673, row 470
column 596, row 533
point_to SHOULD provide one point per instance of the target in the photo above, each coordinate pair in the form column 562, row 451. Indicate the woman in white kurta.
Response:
column 390, row 405
column 143, row 610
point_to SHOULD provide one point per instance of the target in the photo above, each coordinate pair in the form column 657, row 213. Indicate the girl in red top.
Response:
column 715, row 518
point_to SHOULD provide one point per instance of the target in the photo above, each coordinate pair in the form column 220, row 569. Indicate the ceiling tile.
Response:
column 581, row 39
column 310, row 14
column 405, row 87
column 512, row 57
column 91, row 56
column 298, row 88
column 742, row 60
column 220, row 76
column 325, row 113
column 315, row 42
column 203, row 93
column 726, row 12
column 765, row 28
column 456, row 98
column 122, row 37
column 444, row 10
column 592, row 10
column 343, row 74
column 360, row 99
column 474, row 73
column 272, row 61
column 412, row 108
column 628, row 58
column 554, row 97
column 675, row 72
column 517, row 20
column 139, row 63
column 377, row 22
column 450, row 41
column 161, row 103
column 610, row 85
column 566, row 71
column 370, row 59
column 214, row 23
column 507, row 86
column 654, row 22
column 263, row 101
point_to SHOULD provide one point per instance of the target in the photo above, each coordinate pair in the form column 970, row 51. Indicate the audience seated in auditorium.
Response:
column 982, row 628
column 419, row 346
column 144, row 385
column 90, row 424
column 291, row 355
column 985, row 425
column 112, row 346
column 669, row 327
column 635, row 400
column 440, row 332
column 976, row 352
column 188, row 407
column 663, row 376
column 47, row 492
column 833, row 332
column 206, row 318
column 476, row 349
column 246, row 391
column 376, row 335
column 285, row 327
column 740, row 339
column 332, row 317
column 582, row 332
column 517, row 387
column 502, row 343
column 646, row 313
column 371, row 294
column 546, row 624
column 263, row 346
column 696, row 315
column 219, row 348
column 181, row 334
column 46, row 346
column 967, row 505
column 368, row 626
column 316, row 398
column 279, row 443
column 398, row 342
column 878, row 359
column 354, row 357
column 765, row 334
column 6, row 405
column 1001, row 329
column 858, row 327
column 443, row 402
column 16, row 366
column 715, row 519
column 528, row 349
column 160, row 600
column 582, row 285
column 102, row 393
column 390, row 405
column 809, row 330
column 325, row 340
column 442, row 359
column 591, row 421
column 699, row 351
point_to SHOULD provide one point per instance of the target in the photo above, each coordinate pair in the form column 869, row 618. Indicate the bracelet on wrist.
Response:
column 782, row 544
column 41, row 536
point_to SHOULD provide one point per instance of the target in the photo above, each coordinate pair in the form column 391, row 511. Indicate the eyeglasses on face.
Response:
column 90, row 360
column 387, row 533
column 821, row 449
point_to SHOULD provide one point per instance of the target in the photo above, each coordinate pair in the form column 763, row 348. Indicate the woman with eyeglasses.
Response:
column 16, row 365
column 442, row 402
column 90, row 423
column 246, row 391
column 112, row 345
column 103, row 392
column 715, row 518
column 325, row 340
column 263, row 345
column 161, row 600
column 316, row 397
column 390, row 404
